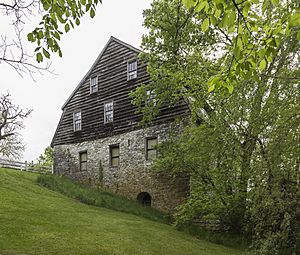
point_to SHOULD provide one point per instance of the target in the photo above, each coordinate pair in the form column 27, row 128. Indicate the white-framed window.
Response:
column 131, row 70
column 151, row 148
column 108, row 112
column 77, row 120
column 150, row 97
column 94, row 84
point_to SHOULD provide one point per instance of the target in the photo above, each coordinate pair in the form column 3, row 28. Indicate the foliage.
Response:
column 246, row 183
column 57, row 17
column 98, row 197
column 46, row 159
column 176, row 51
column 244, row 157
column 239, row 44
column 11, row 121
column 251, row 32
column 32, row 214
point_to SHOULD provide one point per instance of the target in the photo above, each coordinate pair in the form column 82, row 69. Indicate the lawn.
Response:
column 35, row 220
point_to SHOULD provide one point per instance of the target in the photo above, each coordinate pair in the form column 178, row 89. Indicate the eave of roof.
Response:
column 95, row 63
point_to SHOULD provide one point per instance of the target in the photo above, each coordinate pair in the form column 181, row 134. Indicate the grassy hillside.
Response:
column 35, row 220
column 98, row 197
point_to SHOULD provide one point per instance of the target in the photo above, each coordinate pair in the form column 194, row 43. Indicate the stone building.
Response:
column 99, row 139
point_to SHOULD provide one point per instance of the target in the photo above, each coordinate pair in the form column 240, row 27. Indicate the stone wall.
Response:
column 133, row 175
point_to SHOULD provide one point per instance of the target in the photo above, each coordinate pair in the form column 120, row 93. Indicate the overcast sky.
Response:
column 81, row 46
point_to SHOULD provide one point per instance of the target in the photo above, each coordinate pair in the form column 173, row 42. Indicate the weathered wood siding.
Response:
column 112, row 85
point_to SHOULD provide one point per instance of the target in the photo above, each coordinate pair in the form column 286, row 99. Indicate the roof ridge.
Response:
column 112, row 38
column 125, row 44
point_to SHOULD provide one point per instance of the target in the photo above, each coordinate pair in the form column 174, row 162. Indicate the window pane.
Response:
column 115, row 152
column 108, row 112
column 114, row 161
column 108, row 106
column 77, row 115
column 83, row 166
column 77, row 126
column 94, row 89
column 94, row 81
column 151, row 154
column 132, row 75
column 77, row 121
column 109, row 117
column 132, row 66
column 132, row 70
column 151, row 143
column 83, row 157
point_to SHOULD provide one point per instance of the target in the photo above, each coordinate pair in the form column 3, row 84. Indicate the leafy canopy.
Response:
column 252, row 32
column 243, row 160
column 59, row 16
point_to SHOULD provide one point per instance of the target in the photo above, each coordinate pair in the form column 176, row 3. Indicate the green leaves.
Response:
column 294, row 19
column 211, row 88
column 77, row 22
column 246, row 34
column 56, row 35
column 201, row 5
column 92, row 13
column 46, row 53
column 39, row 57
column 205, row 25
column 231, row 18
column 275, row 2
column 229, row 87
column 262, row 65
column 30, row 37
column 188, row 3
column 67, row 28
column 60, row 15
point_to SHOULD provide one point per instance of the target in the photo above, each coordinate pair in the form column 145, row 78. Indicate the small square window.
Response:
column 77, row 121
column 108, row 112
column 94, row 84
column 151, row 150
column 114, row 155
column 131, row 70
column 83, row 160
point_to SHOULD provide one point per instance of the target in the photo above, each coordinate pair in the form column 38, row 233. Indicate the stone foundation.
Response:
column 132, row 176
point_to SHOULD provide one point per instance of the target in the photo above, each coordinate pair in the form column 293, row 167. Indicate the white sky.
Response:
column 80, row 47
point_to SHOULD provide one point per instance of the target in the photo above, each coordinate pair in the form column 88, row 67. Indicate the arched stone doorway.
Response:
column 144, row 198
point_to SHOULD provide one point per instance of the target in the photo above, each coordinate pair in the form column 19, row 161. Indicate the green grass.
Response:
column 98, row 197
column 223, row 238
column 35, row 220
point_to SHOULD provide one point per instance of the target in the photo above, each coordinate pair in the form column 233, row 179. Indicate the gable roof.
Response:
column 96, row 62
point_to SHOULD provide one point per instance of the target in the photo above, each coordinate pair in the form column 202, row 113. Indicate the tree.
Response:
column 251, row 32
column 244, row 157
column 57, row 17
column 46, row 159
column 11, row 121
